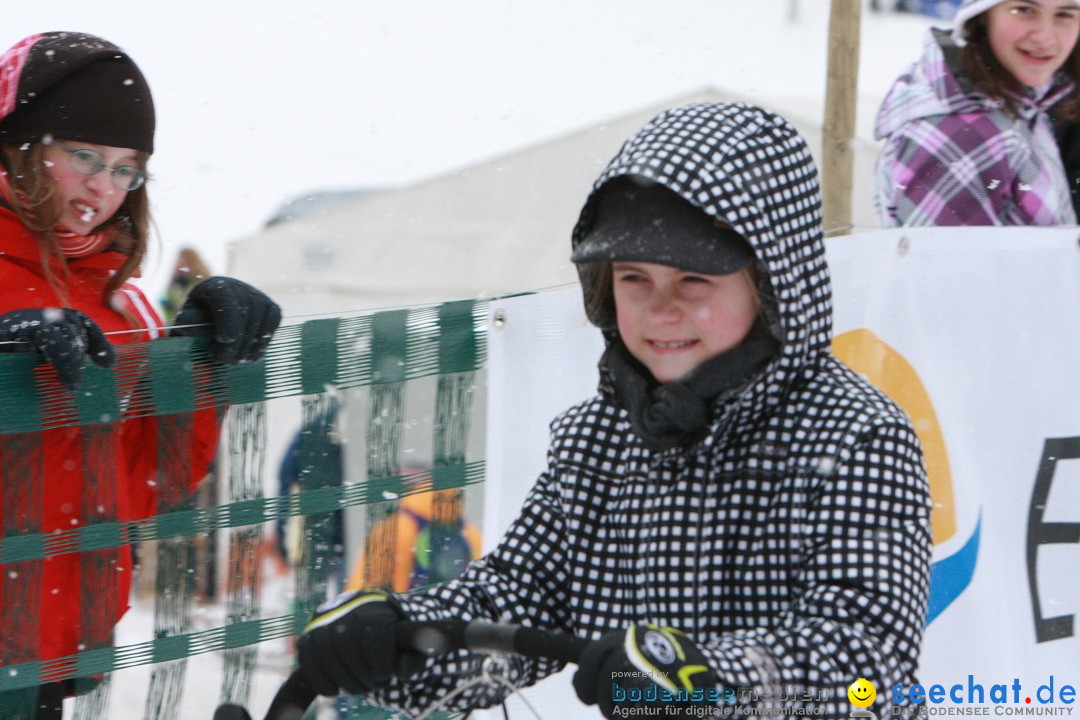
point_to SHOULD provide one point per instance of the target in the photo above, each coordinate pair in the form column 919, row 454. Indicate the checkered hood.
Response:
column 751, row 169
column 791, row 544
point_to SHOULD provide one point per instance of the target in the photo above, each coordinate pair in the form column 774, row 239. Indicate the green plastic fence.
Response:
column 168, row 380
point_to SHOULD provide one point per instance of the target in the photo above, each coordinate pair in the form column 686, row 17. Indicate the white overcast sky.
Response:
column 262, row 101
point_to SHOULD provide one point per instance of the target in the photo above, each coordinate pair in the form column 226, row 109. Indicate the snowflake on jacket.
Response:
column 954, row 156
column 792, row 543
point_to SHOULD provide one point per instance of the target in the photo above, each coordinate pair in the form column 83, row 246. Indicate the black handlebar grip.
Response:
column 292, row 699
column 438, row 637
column 230, row 711
column 532, row 642
column 431, row 638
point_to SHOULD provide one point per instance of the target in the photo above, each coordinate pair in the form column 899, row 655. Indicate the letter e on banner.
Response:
column 1048, row 533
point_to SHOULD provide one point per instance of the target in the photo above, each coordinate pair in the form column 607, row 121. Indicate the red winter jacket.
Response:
column 82, row 595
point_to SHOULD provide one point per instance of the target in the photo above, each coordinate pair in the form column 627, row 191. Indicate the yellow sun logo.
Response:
column 862, row 693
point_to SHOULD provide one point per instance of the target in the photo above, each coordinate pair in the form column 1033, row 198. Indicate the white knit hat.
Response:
column 969, row 9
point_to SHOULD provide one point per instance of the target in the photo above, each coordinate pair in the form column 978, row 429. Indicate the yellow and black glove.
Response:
column 350, row 644
column 645, row 666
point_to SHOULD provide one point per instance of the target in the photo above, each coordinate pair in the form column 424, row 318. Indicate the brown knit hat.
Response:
column 77, row 87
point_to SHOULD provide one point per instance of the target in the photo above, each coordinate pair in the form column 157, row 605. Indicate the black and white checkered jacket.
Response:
column 792, row 543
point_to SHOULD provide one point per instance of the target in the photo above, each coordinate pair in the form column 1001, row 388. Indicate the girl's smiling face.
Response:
column 85, row 201
column 672, row 320
column 1032, row 39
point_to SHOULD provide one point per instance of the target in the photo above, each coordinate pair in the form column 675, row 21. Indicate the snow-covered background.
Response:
column 261, row 102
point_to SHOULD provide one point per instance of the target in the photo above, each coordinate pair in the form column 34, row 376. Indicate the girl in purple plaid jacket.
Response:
column 968, row 136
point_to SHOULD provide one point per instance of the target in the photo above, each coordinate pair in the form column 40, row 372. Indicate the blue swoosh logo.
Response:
column 950, row 576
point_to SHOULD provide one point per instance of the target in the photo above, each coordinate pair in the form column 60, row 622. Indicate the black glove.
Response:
column 663, row 668
column 239, row 319
column 350, row 644
column 62, row 336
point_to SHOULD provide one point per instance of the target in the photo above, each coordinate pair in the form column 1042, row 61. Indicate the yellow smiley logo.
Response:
column 862, row 693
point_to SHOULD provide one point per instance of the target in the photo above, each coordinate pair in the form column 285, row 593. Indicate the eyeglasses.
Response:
column 86, row 161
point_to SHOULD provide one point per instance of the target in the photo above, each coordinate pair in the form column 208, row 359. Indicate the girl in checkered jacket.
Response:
column 969, row 140
column 736, row 518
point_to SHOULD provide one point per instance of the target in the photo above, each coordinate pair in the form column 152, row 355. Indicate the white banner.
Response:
column 981, row 329
column 976, row 333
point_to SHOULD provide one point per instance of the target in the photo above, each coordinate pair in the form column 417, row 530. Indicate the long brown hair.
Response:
column 991, row 77
column 39, row 212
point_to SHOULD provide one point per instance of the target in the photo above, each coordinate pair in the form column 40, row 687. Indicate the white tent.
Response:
column 498, row 227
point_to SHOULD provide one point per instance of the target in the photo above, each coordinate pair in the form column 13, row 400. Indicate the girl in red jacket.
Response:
column 76, row 131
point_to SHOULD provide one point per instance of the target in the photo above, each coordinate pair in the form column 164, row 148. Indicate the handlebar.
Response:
column 431, row 638
column 437, row 637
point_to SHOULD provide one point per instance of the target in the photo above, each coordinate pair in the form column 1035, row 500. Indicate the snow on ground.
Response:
column 202, row 689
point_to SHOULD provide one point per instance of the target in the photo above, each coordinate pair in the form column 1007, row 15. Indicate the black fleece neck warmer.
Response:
column 678, row 413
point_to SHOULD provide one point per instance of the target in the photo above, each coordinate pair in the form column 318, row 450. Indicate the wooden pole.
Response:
column 841, row 91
